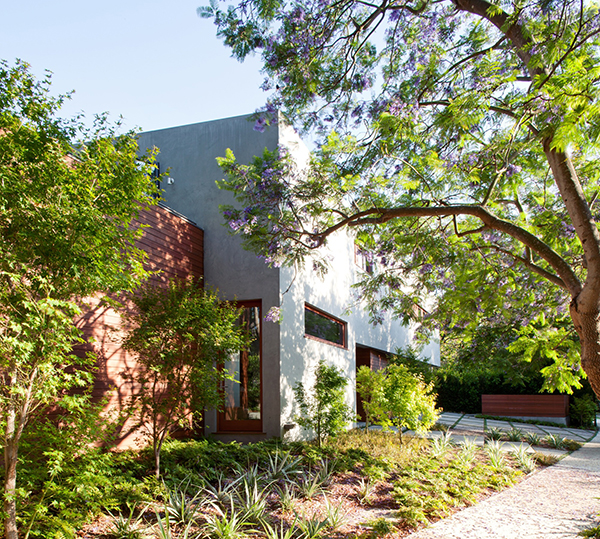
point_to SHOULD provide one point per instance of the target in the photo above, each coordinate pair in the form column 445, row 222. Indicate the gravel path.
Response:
column 555, row 503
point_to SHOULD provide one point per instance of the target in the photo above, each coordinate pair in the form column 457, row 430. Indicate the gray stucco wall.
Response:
column 190, row 153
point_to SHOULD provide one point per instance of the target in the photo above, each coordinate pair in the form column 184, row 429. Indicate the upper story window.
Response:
column 419, row 312
column 364, row 260
column 324, row 327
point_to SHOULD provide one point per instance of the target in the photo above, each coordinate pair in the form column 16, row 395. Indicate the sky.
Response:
column 156, row 63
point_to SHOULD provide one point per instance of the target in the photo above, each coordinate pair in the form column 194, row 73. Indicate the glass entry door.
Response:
column 243, row 394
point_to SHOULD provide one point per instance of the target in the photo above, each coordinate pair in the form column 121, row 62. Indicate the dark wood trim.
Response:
column 246, row 425
column 324, row 314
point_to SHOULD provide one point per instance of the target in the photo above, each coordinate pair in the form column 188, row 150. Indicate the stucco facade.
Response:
column 287, row 355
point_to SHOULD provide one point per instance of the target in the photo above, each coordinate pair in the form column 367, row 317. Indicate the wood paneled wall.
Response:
column 175, row 248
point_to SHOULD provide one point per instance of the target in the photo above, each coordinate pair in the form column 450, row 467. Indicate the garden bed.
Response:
column 363, row 485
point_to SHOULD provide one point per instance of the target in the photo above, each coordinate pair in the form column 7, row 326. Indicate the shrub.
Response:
column 583, row 411
column 323, row 408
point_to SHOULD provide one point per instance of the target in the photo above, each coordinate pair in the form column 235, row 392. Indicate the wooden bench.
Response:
column 553, row 408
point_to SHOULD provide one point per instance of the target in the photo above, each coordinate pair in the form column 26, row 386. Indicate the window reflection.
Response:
column 242, row 394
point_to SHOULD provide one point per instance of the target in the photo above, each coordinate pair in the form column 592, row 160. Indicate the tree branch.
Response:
column 530, row 265
column 375, row 216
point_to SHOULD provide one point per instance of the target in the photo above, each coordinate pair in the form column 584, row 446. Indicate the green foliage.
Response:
column 370, row 385
column 397, row 396
column 180, row 335
column 591, row 532
column 582, row 411
column 557, row 344
column 410, row 402
column 430, row 487
column 449, row 156
column 68, row 199
column 65, row 480
column 232, row 504
column 323, row 407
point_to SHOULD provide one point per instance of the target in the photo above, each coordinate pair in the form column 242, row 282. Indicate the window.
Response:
column 323, row 327
column 364, row 260
column 243, row 393
column 418, row 312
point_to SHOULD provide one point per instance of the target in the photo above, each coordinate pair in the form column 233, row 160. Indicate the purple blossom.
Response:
column 266, row 85
column 260, row 124
column 568, row 230
column 425, row 268
column 512, row 169
column 273, row 315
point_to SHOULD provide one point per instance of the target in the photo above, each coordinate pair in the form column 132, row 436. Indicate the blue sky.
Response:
column 155, row 62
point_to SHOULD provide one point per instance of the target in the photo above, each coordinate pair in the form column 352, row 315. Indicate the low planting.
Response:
column 552, row 441
column 266, row 490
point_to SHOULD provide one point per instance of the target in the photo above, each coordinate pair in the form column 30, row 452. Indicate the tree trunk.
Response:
column 587, row 325
column 11, row 445
column 157, row 462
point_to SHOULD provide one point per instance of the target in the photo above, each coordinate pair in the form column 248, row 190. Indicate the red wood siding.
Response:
column 525, row 405
column 175, row 247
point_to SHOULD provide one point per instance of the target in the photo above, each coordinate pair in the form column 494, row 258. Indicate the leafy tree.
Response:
column 409, row 400
column 68, row 196
column 458, row 139
column 323, row 408
column 396, row 396
column 370, row 385
column 180, row 333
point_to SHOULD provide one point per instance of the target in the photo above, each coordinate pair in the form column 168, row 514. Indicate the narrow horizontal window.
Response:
column 324, row 327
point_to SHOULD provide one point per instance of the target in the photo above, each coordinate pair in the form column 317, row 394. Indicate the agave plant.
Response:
column 311, row 528
column 468, row 449
column 128, row 527
column 287, row 496
column 229, row 524
column 495, row 453
column 514, row 435
column 439, row 446
column 252, row 500
column 251, row 473
column 494, row 433
column 525, row 461
column 310, row 485
column 181, row 507
column 282, row 465
column 165, row 529
column 326, row 470
column 533, row 438
column 272, row 532
column 334, row 514
column 555, row 441
column 222, row 494
column 366, row 488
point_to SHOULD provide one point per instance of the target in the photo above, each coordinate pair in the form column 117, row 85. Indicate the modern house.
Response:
column 315, row 322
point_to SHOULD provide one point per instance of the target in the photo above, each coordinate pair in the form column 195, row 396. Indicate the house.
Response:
column 315, row 323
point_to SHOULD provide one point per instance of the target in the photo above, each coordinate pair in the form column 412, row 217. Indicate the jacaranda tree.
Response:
column 458, row 139
column 68, row 197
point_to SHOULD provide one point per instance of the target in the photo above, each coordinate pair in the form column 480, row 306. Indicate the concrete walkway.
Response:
column 458, row 422
column 557, row 502
column 465, row 426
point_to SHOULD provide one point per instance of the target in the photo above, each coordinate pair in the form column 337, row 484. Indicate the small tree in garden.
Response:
column 180, row 335
column 68, row 198
column 323, row 408
column 370, row 385
column 410, row 401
